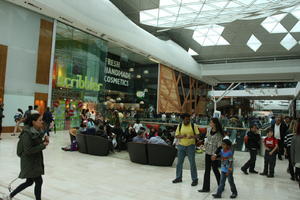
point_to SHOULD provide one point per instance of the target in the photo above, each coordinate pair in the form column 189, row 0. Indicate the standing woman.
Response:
column 30, row 146
column 287, row 143
column 212, row 143
column 295, row 152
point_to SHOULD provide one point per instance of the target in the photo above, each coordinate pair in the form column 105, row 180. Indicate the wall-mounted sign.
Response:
column 79, row 83
column 116, row 76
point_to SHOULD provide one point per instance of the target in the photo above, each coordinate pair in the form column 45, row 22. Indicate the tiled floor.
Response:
column 72, row 175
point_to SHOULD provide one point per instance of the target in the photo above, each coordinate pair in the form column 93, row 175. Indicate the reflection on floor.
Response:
column 72, row 175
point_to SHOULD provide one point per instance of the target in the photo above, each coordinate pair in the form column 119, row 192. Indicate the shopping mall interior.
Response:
column 149, row 99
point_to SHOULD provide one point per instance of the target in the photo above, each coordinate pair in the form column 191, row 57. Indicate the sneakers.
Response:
column 233, row 196
column 245, row 171
column 263, row 174
column 195, row 182
column 253, row 172
column 176, row 180
column 217, row 196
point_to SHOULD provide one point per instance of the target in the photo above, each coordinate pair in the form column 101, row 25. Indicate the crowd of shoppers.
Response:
column 283, row 138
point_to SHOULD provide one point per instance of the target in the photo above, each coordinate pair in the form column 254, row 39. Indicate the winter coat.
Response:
column 253, row 140
column 30, row 149
column 295, row 149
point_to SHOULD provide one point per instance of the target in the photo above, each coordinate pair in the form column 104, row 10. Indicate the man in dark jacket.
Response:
column 47, row 118
column 280, row 131
column 252, row 145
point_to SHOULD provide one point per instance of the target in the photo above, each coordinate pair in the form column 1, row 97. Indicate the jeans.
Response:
column 270, row 162
column 250, row 164
column 208, row 165
column 181, row 153
column 29, row 181
column 222, row 183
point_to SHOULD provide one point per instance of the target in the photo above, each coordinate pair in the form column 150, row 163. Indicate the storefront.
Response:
column 88, row 74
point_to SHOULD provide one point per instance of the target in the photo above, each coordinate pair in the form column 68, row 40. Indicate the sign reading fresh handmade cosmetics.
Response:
column 116, row 76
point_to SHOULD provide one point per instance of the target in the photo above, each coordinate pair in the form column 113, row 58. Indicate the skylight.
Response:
column 296, row 28
column 253, row 43
column 272, row 24
column 210, row 35
column 288, row 42
column 218, row 11
column 192, row 52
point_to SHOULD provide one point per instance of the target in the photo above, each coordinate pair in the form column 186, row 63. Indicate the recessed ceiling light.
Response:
column 288, row 42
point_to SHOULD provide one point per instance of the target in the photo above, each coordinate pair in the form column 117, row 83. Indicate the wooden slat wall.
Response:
column 44, row 52
column 168, row 100
column 3, row 59
column 171, row 86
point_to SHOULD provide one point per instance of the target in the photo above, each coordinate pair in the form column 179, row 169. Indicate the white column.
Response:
column 51, row 63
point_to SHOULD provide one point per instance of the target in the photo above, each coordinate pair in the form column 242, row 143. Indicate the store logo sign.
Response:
column 79, row 83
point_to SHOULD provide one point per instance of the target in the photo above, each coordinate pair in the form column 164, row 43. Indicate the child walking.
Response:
column 271, row 145
column 226, row 155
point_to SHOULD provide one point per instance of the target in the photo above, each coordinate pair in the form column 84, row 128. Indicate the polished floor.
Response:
column 72, row 175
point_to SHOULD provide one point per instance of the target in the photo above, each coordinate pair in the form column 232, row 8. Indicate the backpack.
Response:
column 17, row 116
column 193, row 127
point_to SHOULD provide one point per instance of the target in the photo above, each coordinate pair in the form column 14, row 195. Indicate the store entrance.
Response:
column 40, row 99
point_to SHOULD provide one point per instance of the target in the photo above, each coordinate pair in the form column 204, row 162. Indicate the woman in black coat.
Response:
column 30, row 146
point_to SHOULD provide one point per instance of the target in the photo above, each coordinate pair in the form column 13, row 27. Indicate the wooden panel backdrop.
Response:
column 3, row 59
column 44, row 52
column 177, row 95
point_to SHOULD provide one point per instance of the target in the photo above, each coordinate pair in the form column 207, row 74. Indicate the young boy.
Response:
column 271, row 145
column 226, row 169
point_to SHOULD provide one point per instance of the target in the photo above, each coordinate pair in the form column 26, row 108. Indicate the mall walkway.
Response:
column 72, row 175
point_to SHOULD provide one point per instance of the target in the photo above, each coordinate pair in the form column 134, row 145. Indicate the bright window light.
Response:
column 189, row 1
column 163, row 13
column 166, row 3
column 233, row 5
column 272, row 24
column 296, row 28
column 296, row 13
column 222, row 11
column 210, row 35
column 192, row 52
column 173, row 10
column 253, row 43
column 279, row 29
column 222, row 41
column 288, row 42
